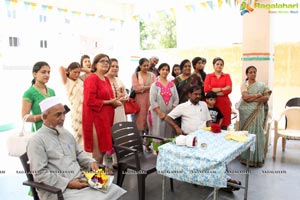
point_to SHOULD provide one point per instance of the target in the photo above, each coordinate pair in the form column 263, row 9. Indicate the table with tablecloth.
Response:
column 202, row 165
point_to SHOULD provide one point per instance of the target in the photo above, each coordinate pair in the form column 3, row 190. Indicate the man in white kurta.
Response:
column 56, row 159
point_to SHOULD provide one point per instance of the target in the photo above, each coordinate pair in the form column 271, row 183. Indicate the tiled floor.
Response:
column 277, row 180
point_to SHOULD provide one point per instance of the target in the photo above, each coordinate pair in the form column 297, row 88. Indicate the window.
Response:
column 43, row 18
column 43, row 43
column 14, row 42
column 11, row 14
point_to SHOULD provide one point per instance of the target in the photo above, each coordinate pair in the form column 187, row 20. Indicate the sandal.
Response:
column 108, row 171
column 148, row 149
column 231, row 188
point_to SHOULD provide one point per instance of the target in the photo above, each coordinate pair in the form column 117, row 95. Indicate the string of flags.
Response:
column 32, row 6
column 210, row 4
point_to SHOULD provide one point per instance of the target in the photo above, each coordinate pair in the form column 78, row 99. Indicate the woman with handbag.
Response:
column 163, row 98
column 36, row 93
column 141, row 82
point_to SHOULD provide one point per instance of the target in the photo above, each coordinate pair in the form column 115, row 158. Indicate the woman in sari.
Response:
column 74, row 89
column 185, row 80
column 253, row 111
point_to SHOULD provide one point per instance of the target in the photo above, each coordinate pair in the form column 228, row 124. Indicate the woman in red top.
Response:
column 98, row 109
column 221, row 84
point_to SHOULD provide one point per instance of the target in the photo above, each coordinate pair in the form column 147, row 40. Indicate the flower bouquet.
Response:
column 99, row 180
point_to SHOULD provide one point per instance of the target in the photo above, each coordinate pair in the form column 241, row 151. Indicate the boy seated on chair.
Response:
column 56, row 159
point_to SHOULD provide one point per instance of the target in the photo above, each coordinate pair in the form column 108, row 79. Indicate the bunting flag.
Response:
column 210, row 4
column 172, row 10
column 76, row 13
column 135, row 18
column 188, row 8
column 220, row 3
column 204, row 5
column 10, row 4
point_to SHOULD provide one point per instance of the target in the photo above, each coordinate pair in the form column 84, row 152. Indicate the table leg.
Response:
column 247, row 174
column 163, row 188
column 216, row 193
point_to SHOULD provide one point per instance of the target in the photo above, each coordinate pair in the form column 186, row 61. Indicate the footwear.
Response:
column 148, row 149
column 231, row 188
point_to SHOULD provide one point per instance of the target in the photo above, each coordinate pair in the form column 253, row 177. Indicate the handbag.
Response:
column 17, row 142
column 131, row 107
column 132, row 91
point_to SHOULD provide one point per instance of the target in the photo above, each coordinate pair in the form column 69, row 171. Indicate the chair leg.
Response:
column 141, row 185
column 121, row 174
column 171, row 185
column 275, row 146
column 283, row 144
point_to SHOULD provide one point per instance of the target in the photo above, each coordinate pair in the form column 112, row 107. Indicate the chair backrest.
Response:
column 25, row 162
column 292, row 115
column 292, row 103
column 126, row 134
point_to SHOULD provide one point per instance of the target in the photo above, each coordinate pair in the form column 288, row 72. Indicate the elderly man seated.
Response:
column 56, row 159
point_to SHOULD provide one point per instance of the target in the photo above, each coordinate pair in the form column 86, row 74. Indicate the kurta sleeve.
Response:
column 207, row 84
column 153, row 96
column 83, row 159
column 228, row 82
column 90, row 94
column 38, row 165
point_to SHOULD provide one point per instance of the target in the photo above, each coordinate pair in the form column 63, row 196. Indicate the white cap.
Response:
column 48, row 103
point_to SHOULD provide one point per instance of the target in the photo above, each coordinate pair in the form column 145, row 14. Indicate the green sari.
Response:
column 254, row 114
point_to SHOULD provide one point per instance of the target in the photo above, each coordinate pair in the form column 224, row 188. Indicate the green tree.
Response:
column 160, row 33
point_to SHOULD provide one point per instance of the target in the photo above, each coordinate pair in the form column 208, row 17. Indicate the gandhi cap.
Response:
column 48, row 103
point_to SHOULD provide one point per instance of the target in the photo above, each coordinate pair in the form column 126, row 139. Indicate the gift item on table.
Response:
column 215, row 128
column 186, row 140
column 239, row 136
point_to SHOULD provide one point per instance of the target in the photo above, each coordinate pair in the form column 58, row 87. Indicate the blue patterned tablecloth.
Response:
column 198, row 165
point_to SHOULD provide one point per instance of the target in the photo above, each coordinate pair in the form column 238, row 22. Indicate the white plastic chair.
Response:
column 292, row 131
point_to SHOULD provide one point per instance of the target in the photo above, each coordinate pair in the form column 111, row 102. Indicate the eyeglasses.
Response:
column 104, row 61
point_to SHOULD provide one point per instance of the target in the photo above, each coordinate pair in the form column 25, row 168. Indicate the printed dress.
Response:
column 166, row 98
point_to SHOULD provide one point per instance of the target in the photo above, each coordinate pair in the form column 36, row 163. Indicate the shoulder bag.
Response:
column 17, row 142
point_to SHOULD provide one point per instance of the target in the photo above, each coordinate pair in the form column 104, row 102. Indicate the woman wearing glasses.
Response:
column 98, row 108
